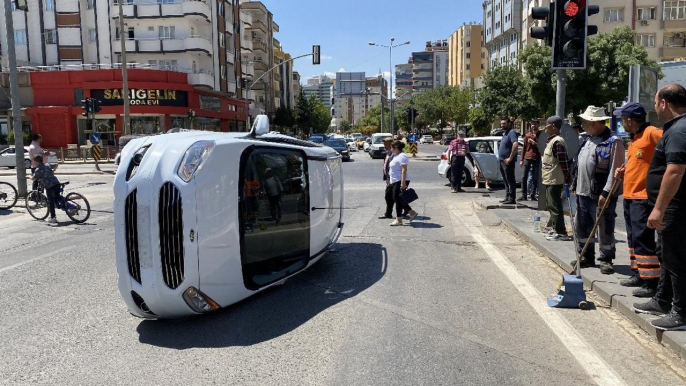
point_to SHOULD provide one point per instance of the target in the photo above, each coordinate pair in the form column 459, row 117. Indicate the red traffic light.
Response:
column 574, row 7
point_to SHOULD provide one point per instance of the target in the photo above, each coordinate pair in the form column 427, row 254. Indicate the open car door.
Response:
column 484, row 158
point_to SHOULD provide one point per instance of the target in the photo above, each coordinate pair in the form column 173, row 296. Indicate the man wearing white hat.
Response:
column 600, row 155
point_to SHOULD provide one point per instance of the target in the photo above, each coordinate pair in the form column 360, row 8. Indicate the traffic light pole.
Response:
column 92, row 119
column 561, row 91
column 16, row 110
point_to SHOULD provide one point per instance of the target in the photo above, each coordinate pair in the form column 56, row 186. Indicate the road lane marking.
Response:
column 54, row 252
column 587, row 357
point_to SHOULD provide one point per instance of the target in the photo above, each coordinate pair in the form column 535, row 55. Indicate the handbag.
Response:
column 408, row 195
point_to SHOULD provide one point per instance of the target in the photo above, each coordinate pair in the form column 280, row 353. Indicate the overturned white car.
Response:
column 204, row 220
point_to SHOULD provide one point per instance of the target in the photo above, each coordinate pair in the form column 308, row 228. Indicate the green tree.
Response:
column 373, row 119
column 481, row 123
column 321, row 117
column 345, row 126
column 506, row 94
column 539, row 76
column 303, row 113
column 284, row 117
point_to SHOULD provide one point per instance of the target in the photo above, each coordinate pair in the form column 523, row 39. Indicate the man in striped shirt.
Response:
column 458, row 150
column 555, row 173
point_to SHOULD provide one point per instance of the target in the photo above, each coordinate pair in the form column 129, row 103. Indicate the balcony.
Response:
column 257, row 86
column 156, row 45
column 231, row 87
column 259, row 45
column 424, row 66
column 230, row 58
column 674, row 25
column 673, row 52
column 248, row 70
column 193, row 9
column 246, row 45
column 246, row 18
column 130, row 46
column 201, row 80
column 260, row 66
column 259, row 24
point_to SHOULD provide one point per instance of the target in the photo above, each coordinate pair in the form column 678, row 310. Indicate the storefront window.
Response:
column 207, row 124
column 106, row 128
column 147, row 125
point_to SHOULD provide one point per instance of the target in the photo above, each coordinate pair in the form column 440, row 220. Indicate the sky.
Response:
column 344, row 29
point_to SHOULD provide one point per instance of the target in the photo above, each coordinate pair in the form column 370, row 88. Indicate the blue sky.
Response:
column 344, row 29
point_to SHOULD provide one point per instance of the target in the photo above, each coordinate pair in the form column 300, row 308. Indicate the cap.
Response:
column 631, row 110
column 555, row 121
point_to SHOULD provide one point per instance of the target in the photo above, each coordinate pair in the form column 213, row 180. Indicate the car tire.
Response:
column 27, row 164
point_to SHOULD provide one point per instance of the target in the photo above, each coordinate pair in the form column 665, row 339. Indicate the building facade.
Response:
column 467, row 56
column 502, row 30
column 430, row 67
column 403, row 82
column 320, row 87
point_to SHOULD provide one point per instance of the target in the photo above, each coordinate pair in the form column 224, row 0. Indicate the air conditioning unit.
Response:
column 678, row 36
column 644, row 22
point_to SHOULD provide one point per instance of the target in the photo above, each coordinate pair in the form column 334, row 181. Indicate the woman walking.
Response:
column 400, row 180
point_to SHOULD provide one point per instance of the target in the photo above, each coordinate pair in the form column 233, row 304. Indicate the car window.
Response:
column 480, row 146
column 379, row 140
column 335, row 142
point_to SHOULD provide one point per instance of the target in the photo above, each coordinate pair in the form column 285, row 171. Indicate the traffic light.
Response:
column 316, row 59
column 571, row 32
column 546, row 32
column 95, row 104
column 87, row 107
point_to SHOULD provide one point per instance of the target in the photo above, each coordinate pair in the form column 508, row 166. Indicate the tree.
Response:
column 506, row 94
column 481, row 123
column 284, row 117
column 345, row 126
column 303, row 113
column 373, row 118
column 536, row 61
column 321, row 117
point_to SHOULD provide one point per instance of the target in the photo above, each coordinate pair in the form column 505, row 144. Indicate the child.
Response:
column 45, row 175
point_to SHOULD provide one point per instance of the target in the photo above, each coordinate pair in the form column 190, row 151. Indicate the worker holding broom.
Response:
column 600, row 155
column 637, row 208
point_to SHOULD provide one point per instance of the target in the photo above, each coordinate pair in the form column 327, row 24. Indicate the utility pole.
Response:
column 16, row 109
column 561, row 91
column 381, row 87
column 126, row 126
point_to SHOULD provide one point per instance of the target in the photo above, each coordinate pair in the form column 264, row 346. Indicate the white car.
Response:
column 426, row 139
column 376, row 148
column 352, row 145
column 8, row 160
column 482, row 149
column 203, row 220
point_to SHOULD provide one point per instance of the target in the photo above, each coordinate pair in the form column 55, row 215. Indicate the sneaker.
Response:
column 461, row 190
column 51, row 221
column 647, row 290
column 670, row 322
column 523, row 198
column 559, row 237
column 606, row 268
column 549, row 232
column 509, row 202
column 453, row 190
column 385, row 217
column 587, row 262
column 396, row 223
column 651, row 307
column 634, row 281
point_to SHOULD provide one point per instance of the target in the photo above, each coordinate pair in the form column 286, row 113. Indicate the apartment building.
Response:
column 403, row 82
column 430, row 67
column 467, row 56
column 283, row 78
column 353, row 95
column 320, row 87
column 377, row 92
column 528, row 22
column 297, row 87
column 502, row 30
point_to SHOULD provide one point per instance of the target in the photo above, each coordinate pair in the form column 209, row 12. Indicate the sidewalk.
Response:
column 607, row 287
column 71, row 168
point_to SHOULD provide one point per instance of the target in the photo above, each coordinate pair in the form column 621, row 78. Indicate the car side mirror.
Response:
column 260, row 126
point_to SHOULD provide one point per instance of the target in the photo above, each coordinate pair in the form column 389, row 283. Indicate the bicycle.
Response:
column 8, row 195
column 74, row 204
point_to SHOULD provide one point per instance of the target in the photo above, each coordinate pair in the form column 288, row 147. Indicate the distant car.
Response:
column 340, row 146
column 8, row 160
column 377, row 148
column 318, row 138
column 367, row 144
column 352, row 144
column 446, row 139
column 360, row 142
column 426, row 139
column 483, row 150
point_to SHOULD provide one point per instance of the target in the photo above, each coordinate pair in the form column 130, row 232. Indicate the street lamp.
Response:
column 390, row 60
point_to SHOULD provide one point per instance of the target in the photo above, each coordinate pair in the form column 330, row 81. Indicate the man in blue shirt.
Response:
column 507, row 154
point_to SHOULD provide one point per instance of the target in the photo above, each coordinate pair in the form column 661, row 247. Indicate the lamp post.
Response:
column 390, row 60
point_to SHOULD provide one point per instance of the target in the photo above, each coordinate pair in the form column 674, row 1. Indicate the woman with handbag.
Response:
column 400, row 180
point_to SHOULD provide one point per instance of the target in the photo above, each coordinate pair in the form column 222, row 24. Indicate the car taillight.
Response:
column 444, row 157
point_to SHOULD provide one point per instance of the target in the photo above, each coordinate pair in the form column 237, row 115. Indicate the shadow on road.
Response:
column 277, row 311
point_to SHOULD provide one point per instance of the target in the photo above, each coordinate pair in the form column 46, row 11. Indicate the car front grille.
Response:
column 131, row 222
column 171, row 235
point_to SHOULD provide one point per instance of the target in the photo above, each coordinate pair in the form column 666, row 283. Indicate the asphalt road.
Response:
column 451, row 299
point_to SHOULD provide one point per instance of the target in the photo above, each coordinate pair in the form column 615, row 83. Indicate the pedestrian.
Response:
column 458, row 150
column 637, row 207
column 274, row 191
column 45, row 175
column 507, row 154
column 554, row 174
column 600, row 155
column 34, row 150
column 666, row 189
column 531, row 162
column 388, row 193
column 478, row 173
column 400, row 180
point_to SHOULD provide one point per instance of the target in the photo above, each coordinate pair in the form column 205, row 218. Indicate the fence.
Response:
column 84, row 153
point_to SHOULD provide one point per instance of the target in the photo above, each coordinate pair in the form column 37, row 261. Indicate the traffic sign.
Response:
column 413, row 148
column 96, row 152
column 412, row 138
column 95, row 138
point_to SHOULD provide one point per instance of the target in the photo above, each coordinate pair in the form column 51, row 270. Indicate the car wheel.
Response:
column 27, row 164
column 466, row 178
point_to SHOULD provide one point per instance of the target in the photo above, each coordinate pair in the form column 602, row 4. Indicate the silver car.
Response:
column 8, row 160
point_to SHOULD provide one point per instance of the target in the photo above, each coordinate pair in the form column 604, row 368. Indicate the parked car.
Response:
column 426, row 139
column 483, row 149
column 340, row 146
column 8, row 160
column 376, row 148
column 446, row 139
column 360, row 142
column 352, row 144
column 367, row 144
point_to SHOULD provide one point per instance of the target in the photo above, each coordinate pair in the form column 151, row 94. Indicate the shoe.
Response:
column 670, row 322
column 509, row 202
column 489, row 188
column 549, row 233
column 651, row 307
column 396, row 223
column 461, row 190
column 412, row 217
column 647, row 290
column 385, row 217
column 51, row 221
column 587, row 262
column 523, row 198
column 559, row 237
column 634, row 281
column 606, row 268
column 503, row 201
column 453, row 190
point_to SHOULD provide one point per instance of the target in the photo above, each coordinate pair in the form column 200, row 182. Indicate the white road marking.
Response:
column 54, row 252
column 587, row 357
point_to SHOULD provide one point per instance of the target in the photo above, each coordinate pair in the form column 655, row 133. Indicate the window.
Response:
column 675, row 10
column 14, row 5
column 132, row 35
column 676, row 40
column 468, row 67
column 168, row 64
column 20, row 36
column 152, row 63
column 221, row 8
column 649, row 13
column 49, row 5
column 90, row 4
column 468, row 55
column 274, row 187
column 50, row 36
column 91, row 35
column 166, row 32
column 222, row 70
column 646, row 40
column 469, row 44
column 614, row 15
column 222, row 37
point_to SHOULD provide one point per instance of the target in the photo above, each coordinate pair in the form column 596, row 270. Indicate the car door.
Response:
column 7, row 158
column 485, row 158
column 519, row 171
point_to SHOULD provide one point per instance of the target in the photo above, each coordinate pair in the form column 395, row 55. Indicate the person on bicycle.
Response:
column 45, row 175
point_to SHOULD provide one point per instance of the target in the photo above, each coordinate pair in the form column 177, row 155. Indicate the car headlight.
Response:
column 194, row 159
column 198, row 301
column 344, row 152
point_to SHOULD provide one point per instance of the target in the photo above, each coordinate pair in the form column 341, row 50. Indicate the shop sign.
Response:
column 142, row 97
column 210, row 103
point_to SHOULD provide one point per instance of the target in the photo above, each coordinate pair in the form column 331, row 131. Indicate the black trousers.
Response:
column 34, row 186
column 53, row 193
column 508, row 172
column 400, row 205
column 456, row 168
column 641, row 239
column 275, row 207
column 388, row 196
column 672, row 285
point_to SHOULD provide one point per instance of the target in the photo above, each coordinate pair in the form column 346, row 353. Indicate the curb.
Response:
column 606, row 288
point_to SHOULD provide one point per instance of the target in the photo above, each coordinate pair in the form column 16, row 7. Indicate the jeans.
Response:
column 530, row 179
column 672, row 285
column 456, row 168
column 553, row 195
column 400, row 205
column 586, row 214
column 641, row 239
column 53, row 193
column 508, row 172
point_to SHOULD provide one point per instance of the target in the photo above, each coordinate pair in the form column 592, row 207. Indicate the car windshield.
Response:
column 317, row 139
column 335, row 143
column 379, row 139
column 348, row 140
